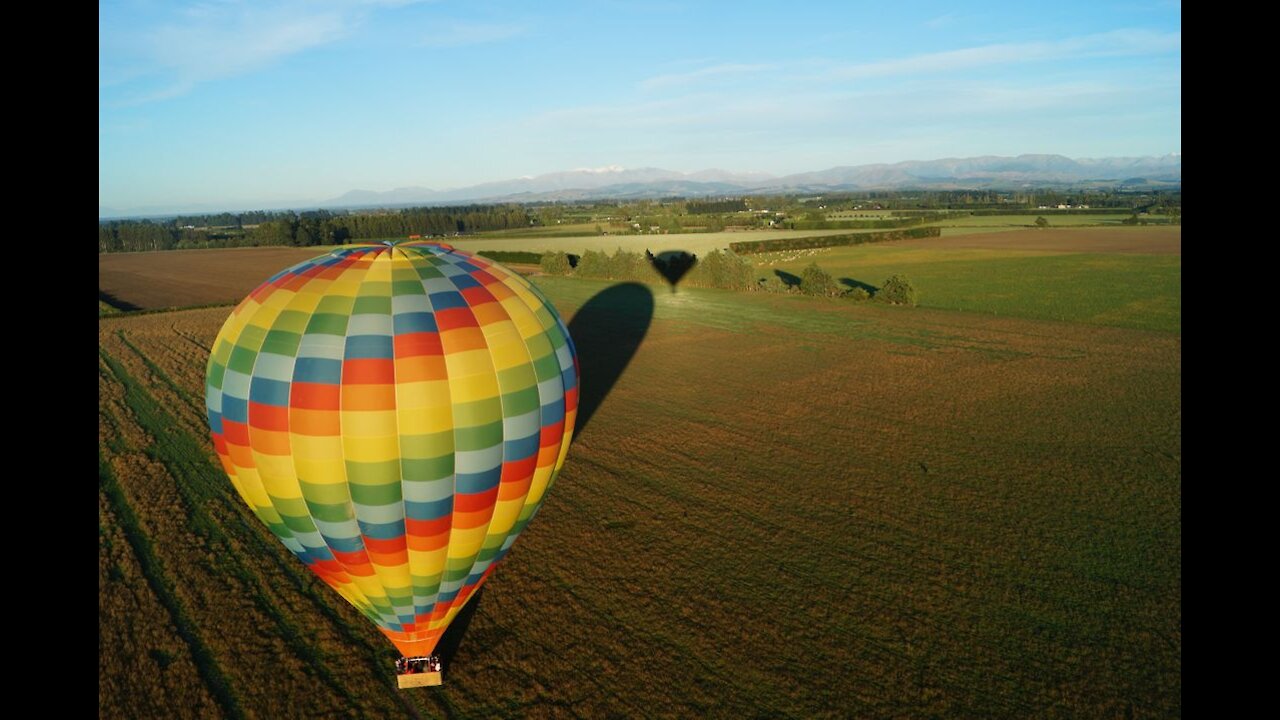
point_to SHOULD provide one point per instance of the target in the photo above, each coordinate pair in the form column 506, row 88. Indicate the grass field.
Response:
column 1095, row 276
column 1151, row 240
column 784, row 507
column 1005, row 223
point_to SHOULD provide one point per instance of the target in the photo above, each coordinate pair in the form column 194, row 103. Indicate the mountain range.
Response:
column 614, row 182
column 994, row 172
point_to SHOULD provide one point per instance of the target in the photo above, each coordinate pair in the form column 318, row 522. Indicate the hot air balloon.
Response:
column 395, row 414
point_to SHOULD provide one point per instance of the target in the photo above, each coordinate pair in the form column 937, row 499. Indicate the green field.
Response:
column 1056, row 218
column 1121, row 290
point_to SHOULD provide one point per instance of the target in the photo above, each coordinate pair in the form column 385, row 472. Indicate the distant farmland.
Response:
column 1121, row 277
column 1156, row 240
column 180, row 278
column 784, row 507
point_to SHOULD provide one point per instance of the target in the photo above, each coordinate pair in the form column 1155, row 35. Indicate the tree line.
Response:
column 717, row 269
column 318, row 227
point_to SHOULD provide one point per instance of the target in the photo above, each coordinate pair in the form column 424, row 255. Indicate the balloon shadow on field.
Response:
column 855, row 284
column 672, row 264
column 787, row 278
column 115, row 302
column 451, row 640
column 607, row 331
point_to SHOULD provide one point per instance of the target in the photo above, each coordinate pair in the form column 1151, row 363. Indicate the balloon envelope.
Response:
column 395, row 415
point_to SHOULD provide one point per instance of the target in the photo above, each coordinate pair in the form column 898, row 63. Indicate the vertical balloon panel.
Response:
column 395, row 414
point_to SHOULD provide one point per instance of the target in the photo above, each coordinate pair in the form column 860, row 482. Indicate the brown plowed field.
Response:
column 784, row 507
column 182, row 278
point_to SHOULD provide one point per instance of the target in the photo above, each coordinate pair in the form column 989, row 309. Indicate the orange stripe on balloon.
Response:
column 516, row 470
column 369, row 397
column 235, row 433
column 471, row 520
column 467, row 338
column 490, row 313
column 422, row 367
column 271, row 442
column 419, row 343
column 314, row 396
column 429, row 542
column 478, row 295
column 426, row 528
column 471, row 502
column 268, row 417
column 454, row 318
column 384, row 546
column 372, row 371
column 316, row 423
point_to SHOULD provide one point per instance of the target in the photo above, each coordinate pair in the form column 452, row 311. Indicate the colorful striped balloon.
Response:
column 395, row 413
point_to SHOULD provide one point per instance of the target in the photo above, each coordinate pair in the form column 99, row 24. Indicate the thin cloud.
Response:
column 809, row 112
column 460, row 34
column 941, row 21
column 1110, row 44
column 694, row 76
column 202, row 42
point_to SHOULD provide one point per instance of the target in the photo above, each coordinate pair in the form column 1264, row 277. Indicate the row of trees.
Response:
column 721, row 269
column 319, row 227
column 717, row 269
column 896, row 290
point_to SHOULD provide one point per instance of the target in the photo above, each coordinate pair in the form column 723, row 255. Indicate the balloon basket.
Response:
column 424, row 679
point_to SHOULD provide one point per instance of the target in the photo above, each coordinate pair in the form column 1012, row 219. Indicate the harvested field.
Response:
column 698, row 243
column 182, row 278
column 784, row 507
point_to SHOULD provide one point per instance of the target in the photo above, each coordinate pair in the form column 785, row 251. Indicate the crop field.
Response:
column 1121, row 277
column 777, row 506
column 698, row 243
column 181, row 278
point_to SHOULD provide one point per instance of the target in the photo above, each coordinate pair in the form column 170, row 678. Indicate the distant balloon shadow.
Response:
column 452, row 638
column 672, row 264
column 115, row 302
column 855, row 284
column 787, row 278
column 607, row 331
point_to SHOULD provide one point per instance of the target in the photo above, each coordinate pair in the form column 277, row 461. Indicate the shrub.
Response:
column 774, row 284
column 898, row 290
column 555, row 263
column 1041, row 222
column 816, row 281
column 859, row 294
column 721, row 269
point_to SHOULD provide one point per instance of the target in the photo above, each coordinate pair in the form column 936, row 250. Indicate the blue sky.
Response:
column 238, row 105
